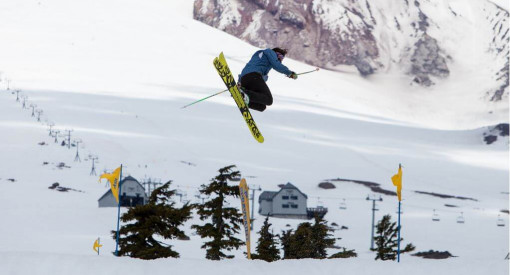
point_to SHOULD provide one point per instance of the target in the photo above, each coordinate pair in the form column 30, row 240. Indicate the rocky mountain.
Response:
column 415, row 37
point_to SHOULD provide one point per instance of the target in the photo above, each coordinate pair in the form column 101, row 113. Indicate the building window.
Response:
column 294, row 206
column 285, row 197
column 293, row 197
column 285, row 205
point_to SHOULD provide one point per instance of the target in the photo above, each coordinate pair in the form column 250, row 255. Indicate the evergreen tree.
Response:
column 145, row 224
column 266, row 245
column 297, row 244
column 386, row 240
column 302, row 241
column 285, row 241
column 225, row 221
column 321, row 238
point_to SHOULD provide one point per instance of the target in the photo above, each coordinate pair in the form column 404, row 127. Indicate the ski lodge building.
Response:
column 133, row 194
column 289, row 202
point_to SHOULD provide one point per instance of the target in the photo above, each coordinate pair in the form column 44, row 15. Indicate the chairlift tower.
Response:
column 77, row 157
column 253, row 189
column 24, row 104
column 33, row 106
column 39, row 112
column 50, row 125
column 68, row 135
column 148, row 183
column 373, row 218
column 55, row 135
column 93, row 171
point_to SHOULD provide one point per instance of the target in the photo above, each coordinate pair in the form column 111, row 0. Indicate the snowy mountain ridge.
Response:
column 416, row 38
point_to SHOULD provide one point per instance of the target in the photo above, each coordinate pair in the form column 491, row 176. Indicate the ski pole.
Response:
column 204, row 98
column 316, row 69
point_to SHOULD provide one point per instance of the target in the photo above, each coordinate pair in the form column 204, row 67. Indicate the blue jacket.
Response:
column 262, row 62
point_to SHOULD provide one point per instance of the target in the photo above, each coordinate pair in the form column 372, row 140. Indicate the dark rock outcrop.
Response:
column 431, row 254
column 493, row 132
column 375, row 187
column 427, row 61
column 444, row 196
column 326, row 185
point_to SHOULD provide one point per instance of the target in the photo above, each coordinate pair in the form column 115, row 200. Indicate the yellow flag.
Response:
column 245, row 206
column 113, row 178
column 97, row 246
column 397, row 181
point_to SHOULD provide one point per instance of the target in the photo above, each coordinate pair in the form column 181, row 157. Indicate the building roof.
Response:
column 269, row 195
column 128, row 178
column 291, row 186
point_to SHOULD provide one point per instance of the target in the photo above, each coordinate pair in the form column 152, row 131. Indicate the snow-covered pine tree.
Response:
column 266, row 245
column 223, row 221
column 321, row 238
column 145, row 225
column 386, row 240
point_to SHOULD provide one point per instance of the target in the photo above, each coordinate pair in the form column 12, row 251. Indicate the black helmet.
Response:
column 280, row 53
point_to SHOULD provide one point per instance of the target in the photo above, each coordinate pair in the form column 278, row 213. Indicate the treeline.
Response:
column 147, row 228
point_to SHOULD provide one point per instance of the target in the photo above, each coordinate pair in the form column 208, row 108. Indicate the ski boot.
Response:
column 246, row 98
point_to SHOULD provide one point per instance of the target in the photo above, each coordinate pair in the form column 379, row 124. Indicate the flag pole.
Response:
column 118, row 213
column 398, row 248
column 399, row 206
column 98, row 242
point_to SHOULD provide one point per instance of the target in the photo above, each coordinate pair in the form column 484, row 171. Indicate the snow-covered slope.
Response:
column 118, row 72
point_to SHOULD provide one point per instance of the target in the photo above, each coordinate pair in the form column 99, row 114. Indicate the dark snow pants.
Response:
column 256, row 88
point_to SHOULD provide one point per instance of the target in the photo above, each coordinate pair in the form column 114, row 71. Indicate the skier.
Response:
column 252, row 79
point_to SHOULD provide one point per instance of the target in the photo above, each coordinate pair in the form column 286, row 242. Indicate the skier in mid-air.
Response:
column 252, row 79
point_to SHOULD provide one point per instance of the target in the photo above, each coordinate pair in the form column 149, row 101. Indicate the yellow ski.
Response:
column 221, row 66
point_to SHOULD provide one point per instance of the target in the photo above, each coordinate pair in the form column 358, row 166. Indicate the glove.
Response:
column 293, row 75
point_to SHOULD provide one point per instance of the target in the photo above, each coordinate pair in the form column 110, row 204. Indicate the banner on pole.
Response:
column 245, row 205
column 114, row 179
column 97, row 246
column 397, row 181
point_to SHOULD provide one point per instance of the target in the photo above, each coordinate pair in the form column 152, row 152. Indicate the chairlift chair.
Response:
column 501, row 222
column 343, row 206
column 435, row 216
column 320, row 204
column 460, row 219
column 180, row 193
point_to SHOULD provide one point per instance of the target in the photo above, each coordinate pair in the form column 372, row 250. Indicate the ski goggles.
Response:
column 280, row 56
